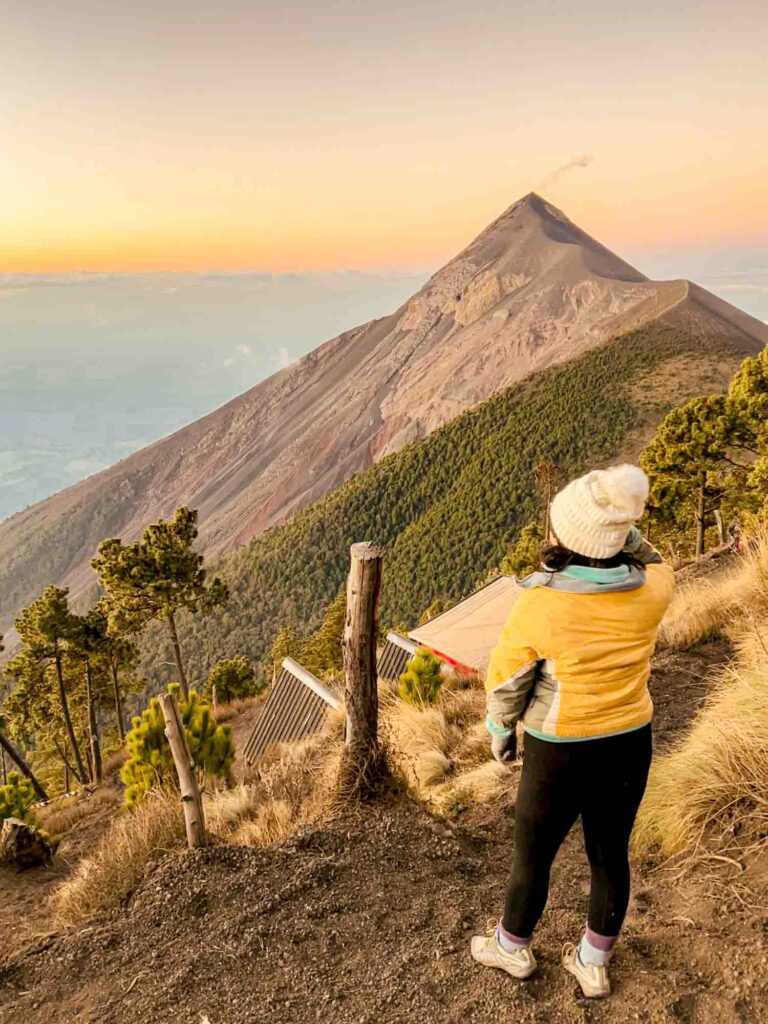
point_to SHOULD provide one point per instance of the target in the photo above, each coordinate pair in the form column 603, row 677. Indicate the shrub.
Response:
column 421, row 681
column 150, row 762
column 233, row 679
column 16, row 798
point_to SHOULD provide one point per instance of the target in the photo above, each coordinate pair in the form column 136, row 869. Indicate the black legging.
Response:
column 602, row 780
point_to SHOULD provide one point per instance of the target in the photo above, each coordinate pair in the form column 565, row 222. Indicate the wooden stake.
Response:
column 359, row 645
column 191, row 800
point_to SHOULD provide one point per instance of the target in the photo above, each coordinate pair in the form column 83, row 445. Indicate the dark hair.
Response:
column 555, row 558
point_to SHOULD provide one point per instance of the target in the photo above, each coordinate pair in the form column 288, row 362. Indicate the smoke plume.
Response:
column 556, row 175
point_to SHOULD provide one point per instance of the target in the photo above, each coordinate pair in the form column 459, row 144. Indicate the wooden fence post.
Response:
column 359, row 645
column 191, row 799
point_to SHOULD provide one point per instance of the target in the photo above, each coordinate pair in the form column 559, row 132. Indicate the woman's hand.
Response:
column 504, row 748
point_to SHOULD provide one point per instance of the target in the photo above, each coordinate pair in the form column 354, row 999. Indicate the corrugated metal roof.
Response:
column 296, row 706
column 395, row 655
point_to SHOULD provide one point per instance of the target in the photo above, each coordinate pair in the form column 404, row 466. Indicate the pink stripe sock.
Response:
column 596, row 949
column 510, row 943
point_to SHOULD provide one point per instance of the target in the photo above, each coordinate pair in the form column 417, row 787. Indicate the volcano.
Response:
column 530, row 291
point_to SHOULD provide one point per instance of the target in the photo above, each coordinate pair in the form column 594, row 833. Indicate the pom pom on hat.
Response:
column 593, row 514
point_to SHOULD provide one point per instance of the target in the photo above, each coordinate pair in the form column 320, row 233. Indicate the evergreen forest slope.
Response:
column 449, row 507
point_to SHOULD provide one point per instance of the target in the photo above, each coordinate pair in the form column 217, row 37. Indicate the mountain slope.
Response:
column 448, row 507
column 531, row 291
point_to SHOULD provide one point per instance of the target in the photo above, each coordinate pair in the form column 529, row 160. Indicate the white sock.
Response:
column 510, row 943
column 590, row 956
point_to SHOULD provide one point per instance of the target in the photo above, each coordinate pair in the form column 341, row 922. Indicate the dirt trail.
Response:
column 368, row 919
column 24, row 897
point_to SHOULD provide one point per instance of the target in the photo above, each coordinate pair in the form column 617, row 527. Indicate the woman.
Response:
column 573, row 663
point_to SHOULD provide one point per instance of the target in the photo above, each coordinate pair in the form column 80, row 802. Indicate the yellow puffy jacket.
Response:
column 573, row 659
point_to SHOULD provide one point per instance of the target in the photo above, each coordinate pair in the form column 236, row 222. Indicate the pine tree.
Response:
column 16, row 798
column 287, row 645
column 748, row 399
column 32, row 714
column 686, row 461
column 156, row 577
column 150, row 762
column 233, row 679
column 45, row 627
column 89, row 645
column 321, row 652
column 420, row 683
column 8, row 749
column 525, row 556
column 121, row 656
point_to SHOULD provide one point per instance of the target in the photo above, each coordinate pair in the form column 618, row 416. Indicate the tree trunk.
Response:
column 359, row 646
column 8, row 748
column 191, row 800
column 700, row 516
column 720, row 526
column 93, row 728
column 118, row 702
column 177, row 656
column 68, row 769
column 80, row 773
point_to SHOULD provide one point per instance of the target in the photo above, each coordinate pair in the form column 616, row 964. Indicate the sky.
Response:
column 292, row 136
column 193, row 194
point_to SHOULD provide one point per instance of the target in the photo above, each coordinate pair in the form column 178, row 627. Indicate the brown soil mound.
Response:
column 370, row 920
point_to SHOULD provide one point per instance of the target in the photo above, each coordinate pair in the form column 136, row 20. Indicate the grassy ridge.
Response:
column 447, row 508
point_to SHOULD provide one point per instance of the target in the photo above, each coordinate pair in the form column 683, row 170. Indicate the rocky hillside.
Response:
column 531, row 291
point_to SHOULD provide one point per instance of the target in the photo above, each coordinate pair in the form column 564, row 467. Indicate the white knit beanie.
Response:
column 594, row 514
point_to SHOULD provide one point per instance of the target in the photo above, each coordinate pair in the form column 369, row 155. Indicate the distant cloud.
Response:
column 229, row 361
column 284, row 359
column 556, row 175
column 247, row 353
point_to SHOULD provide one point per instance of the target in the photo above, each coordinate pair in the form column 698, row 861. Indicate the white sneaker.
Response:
column 593, row 978
column 487, row 951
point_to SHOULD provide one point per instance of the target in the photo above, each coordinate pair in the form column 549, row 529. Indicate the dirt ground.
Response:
column 368, row 919
column 24, row 897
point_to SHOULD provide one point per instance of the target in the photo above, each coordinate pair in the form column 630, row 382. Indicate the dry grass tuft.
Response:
column 707, row 607
column 61, row 815
column 413, row 730
column 431, row 768
column 713, row 784
column 427, row 745
column 291, row 787
column 275, row 822
column 121, row 857
column 478, row 786
column 235, row 708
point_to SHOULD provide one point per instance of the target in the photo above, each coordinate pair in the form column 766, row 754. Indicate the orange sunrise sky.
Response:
column 295, row 136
